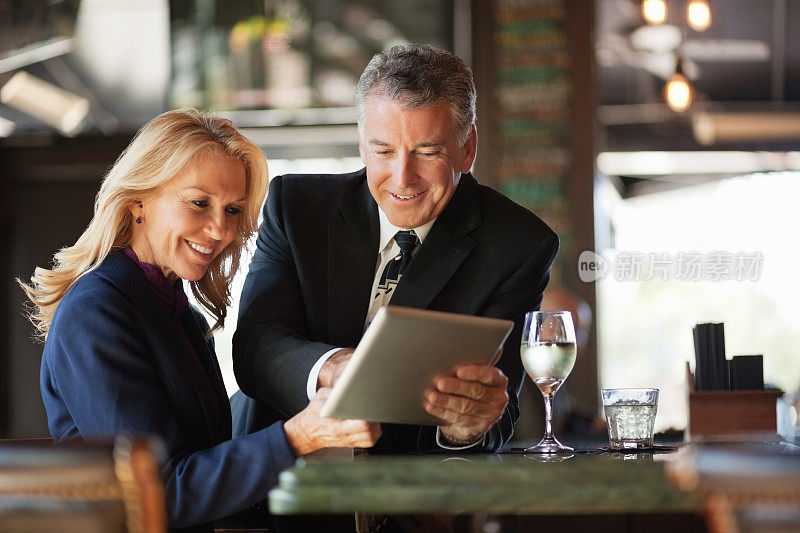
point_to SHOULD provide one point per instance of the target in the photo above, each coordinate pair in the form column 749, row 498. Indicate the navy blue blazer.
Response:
column 115, row 362
column 316, row 254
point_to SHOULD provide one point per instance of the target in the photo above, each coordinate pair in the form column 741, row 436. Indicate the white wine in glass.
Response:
column 548, row 355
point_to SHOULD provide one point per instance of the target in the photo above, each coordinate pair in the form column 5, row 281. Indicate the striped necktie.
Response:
column 394, row 270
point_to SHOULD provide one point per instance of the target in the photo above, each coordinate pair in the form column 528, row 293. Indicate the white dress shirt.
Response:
column 387, row 250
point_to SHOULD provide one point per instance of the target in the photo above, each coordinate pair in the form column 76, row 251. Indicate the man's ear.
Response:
column 470, row 149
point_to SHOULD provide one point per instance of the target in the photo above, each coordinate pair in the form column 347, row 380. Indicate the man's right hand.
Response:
column 333, row 368
column 308, row 430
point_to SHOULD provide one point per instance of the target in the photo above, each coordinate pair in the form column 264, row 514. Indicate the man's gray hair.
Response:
column 419, row 75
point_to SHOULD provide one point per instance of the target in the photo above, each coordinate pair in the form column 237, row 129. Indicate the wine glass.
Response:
column 548, row 355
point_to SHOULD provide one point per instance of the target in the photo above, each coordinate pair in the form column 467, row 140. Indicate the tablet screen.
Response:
column 401, row 354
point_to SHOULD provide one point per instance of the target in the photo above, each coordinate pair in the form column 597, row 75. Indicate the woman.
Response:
column 124, row 351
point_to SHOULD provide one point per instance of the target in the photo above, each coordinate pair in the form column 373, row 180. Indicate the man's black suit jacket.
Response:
column 309, row 283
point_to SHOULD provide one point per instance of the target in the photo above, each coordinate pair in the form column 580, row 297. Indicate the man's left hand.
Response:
column 471, row 401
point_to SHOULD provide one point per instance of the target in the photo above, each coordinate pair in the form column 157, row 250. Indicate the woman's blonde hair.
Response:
column 157, row 153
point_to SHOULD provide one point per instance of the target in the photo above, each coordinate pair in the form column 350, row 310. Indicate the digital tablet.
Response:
column 399, row 356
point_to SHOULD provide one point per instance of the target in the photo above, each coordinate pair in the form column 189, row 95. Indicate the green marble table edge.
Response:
column 486, row 484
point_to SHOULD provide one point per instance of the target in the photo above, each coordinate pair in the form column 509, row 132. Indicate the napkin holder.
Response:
column 731, row 415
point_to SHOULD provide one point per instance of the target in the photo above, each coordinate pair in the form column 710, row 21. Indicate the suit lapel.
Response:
column 353, row 236
column 444, row 249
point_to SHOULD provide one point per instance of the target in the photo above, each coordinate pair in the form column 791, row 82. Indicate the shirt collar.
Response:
column 388, row 230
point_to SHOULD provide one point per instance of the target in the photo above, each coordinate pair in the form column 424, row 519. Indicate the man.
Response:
column 320, row 270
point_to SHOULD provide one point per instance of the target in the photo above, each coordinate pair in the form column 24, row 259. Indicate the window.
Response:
column 740, row 231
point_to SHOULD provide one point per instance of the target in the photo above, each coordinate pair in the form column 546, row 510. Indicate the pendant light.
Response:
column 678, row 91
column 698, row 14
column 654, row 11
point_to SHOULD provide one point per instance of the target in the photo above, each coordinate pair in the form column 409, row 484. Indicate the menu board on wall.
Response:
column 531, row 93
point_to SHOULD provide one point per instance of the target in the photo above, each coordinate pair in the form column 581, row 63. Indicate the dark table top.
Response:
column 584, row 482
column 590, row 480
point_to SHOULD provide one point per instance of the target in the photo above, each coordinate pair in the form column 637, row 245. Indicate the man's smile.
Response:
column 402, row 197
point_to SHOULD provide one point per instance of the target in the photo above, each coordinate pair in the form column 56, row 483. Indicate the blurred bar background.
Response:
column 643, row 143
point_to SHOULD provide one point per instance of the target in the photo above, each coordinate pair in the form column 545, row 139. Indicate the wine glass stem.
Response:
column 548, row 416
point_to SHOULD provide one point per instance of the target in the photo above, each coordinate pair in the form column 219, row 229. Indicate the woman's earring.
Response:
column 138, row 220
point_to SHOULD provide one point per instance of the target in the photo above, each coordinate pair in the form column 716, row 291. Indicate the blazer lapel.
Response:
column 444, row 249
column 216, row 408
column 353, row 236
column 173, row 361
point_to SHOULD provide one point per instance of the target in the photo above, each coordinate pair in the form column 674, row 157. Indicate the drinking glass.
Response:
column 631, row 415
column 548, row 355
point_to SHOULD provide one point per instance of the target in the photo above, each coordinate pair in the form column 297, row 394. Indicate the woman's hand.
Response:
column 308, row 431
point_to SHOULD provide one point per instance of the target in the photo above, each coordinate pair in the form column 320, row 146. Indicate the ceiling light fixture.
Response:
column 46, row 102
column 698, row 14
column 654, row 11
column 742, row 126
column 6, row 127
column 678, row 92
